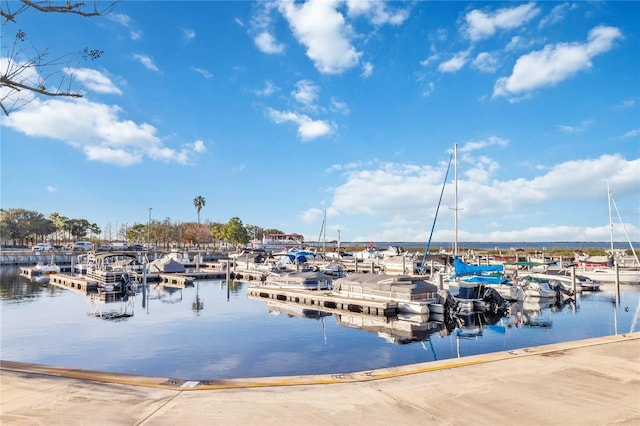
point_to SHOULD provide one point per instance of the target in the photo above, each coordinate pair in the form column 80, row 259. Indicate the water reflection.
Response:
column 111, row 308
column 215, row 329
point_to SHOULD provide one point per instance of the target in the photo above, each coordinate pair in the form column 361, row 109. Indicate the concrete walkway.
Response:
column 586, row 382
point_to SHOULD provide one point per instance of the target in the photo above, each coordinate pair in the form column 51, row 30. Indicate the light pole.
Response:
column 149, row 230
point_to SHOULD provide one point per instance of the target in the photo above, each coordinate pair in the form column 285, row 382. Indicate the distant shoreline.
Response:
column 491, row 245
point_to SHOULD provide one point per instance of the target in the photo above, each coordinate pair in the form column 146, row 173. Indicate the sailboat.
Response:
column 478, row 291
column 609, row 273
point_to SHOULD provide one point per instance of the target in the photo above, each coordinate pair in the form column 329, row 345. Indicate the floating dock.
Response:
column 325, row 301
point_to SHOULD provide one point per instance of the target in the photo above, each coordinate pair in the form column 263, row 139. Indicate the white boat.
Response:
column 537, row 287
column 307, row 280
column 47, row 268
column 625, row 273
column 84, row 262
column 400, row 264
column 563, row 277
column 332, row 268
column 166, row 264
column 625, row 276
column 412, row 294
column 115, row 271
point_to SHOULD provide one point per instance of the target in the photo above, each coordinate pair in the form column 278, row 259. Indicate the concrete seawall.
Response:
column 585, row 382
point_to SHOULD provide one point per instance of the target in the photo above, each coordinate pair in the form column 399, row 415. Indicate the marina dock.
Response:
column 324, row 300
column 586, row 382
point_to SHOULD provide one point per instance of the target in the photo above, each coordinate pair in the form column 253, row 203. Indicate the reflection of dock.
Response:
column 176, row 280
column 293, row 309
column 323, row 301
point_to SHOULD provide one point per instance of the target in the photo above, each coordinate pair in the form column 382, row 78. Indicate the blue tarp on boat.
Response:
column 463, row 269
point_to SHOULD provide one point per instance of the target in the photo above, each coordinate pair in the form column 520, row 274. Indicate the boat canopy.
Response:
column 462, row 268
column 487, row 279
column 300, row 256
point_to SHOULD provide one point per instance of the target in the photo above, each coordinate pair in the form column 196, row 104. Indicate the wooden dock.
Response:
column 80, row 284
column 325, row 301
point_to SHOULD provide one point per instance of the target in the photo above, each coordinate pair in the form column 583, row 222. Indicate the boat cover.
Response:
column 462, row 268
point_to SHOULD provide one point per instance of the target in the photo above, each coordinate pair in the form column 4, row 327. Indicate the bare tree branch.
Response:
column 27, row 70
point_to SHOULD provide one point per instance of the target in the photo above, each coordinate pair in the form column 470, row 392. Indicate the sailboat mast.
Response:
column 610, row 220
column 455, row 199
column 324, row 235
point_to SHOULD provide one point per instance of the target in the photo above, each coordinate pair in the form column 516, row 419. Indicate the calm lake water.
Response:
column 214, row 331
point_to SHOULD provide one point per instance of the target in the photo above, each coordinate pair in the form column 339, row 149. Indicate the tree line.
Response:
column 21, row 227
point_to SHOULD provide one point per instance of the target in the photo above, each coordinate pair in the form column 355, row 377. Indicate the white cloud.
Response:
column 266, row 43
column 125, row 21
column 338, row 106
column 199, row 146
column 485, row 62
column 387, row 191
column 627, row 103
column 480, row 25
column 52, row 189
column 93, row 80
column 146, row 61
column 306, row 93
column 307, row 128
column 454, row 64
column 323, row 31
column 477, row 145
column 238, row 168
column 557, row 14
column 268, row 90
column 631, row 134
column 555, row 63
column 188, row 34
column 377, row 12
column 367, row 70
column 313, row 215
column 575, row 128
column 433, row 58
column 98, row 131
column 120, row 18
column 203, row 72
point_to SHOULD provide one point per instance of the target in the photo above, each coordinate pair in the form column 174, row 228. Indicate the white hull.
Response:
column 583, row 283
column 609, row 275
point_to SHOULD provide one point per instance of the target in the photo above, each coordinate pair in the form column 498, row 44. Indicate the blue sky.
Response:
column 275, row 112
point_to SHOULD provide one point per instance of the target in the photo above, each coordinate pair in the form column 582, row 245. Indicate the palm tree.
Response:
column 199, row 202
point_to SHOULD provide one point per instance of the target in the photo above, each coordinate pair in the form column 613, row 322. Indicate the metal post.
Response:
column 440, row 282
column 573, row 278
column 617, row 270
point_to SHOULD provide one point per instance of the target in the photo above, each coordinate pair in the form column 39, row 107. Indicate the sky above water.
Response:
column 281, row 112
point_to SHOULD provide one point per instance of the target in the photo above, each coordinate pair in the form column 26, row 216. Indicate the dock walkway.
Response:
column 584, row 382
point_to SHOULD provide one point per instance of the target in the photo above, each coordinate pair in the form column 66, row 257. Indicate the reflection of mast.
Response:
column 197, row 305
column 324, row 329
column 435, row 357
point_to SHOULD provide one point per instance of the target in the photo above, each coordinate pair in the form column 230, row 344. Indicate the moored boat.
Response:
column 307, row 280
column 412, row 294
